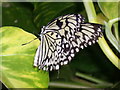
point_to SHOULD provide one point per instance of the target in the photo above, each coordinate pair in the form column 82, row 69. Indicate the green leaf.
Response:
column 110, row 9
column 19, row 15
column 45, row 12
column 17, row 60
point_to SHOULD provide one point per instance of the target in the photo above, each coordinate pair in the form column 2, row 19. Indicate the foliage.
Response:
column 88, row 65
column 17, row 69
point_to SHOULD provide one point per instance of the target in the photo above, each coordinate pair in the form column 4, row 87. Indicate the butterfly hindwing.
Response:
column 88, row 34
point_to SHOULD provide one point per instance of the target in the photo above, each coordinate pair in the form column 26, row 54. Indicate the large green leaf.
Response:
column 17, row 60
column 110, row 9
column 18, row 14
column 44, row 12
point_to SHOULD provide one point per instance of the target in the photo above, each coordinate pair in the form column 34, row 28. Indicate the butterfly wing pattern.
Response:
column 62, row 38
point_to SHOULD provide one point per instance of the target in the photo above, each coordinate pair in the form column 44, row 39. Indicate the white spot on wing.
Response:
column 57, row 67
column 61, row 63
column 65, row 62
column 77, row 49
column 82, row 46
column 67, row 45
column 72, row 51
column 44, row 68
column 89, row 43
column 50, row 68
column 93, row 41
column 99, row 29
column 72, row 55
column 69, row 57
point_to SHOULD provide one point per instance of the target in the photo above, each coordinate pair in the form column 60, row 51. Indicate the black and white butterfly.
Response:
column 62, row 38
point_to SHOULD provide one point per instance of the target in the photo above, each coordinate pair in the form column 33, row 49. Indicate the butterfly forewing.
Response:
column 62, row 38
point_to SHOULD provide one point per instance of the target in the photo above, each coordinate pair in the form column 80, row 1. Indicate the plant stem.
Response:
column 90, row 11
column 66, row 85
column 102, row 43
column 92, row 79
column 109, row 53
column 109, row 34
column 116, row 29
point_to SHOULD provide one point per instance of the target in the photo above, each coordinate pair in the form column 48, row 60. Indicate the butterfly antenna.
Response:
column 29, row 41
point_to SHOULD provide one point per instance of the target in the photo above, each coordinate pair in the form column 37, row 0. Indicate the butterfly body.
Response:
column 62, row 38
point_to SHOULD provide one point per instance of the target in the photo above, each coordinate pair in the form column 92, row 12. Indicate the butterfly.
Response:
column 62, row 38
